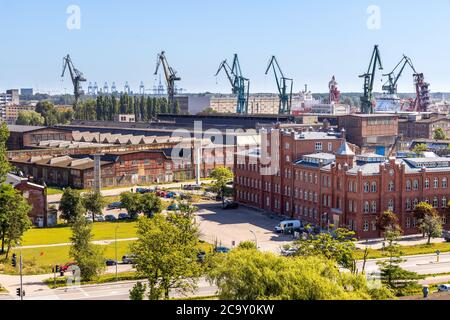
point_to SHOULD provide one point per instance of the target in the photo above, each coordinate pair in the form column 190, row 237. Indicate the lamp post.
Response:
column 256, row 239
column 115, row 249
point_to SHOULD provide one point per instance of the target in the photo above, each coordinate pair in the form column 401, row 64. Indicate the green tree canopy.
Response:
column 221, row 176
column 151, row 204
column 439, row 134
column 5, row 166
column 30, row 118
column 94, row 203
column 389, row 222
column 71, row 205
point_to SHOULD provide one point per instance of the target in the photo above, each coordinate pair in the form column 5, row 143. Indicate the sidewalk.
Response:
column 97, row 242
column 411, row 240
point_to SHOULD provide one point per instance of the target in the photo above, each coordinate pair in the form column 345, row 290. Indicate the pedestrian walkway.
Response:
column 410, row 240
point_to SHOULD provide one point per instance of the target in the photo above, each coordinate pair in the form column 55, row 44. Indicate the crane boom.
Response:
column 76, row 76
column 239, row 84
column 171, row 77
column 282, row 85
column 367, row 101
column 391, row 85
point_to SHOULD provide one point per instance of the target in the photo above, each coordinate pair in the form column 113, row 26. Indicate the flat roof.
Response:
column 19, row 128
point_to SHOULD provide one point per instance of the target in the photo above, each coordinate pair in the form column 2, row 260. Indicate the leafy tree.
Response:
column 246, row 274
column 421, row 211
column 94, row 203
column 5, row 166
column 389, row 222
column 151, row 204
column 439, row 134
column 88, row 257
column 431, row 226
column 137, row 293
column 166, row 254
column 393, row 276
column 177, row 109
column 132, row 202
column 420, row 148
column 14, row 220
column 221, row 176
column 30, row 118
column 247, row 245
column 338, row 247
column 71, row 205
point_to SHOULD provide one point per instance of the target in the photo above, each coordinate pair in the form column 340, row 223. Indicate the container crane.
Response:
column 367, row 100
column 239, row 84
column 76, row 76
column 283, row 85
column 171, row 78
column 390, row 87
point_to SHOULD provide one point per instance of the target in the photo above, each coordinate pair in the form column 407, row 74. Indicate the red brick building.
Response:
column 26, row 137
column 36, row 197
column 321, row 181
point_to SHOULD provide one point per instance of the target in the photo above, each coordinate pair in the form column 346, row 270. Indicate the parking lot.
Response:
column 242, row 224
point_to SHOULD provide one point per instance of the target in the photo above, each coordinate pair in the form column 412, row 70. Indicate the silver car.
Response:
column 443, row 288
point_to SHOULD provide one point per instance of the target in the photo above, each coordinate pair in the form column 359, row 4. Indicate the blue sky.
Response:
column 313, row 40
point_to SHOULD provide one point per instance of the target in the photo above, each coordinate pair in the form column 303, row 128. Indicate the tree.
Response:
column 421, row 211
column 5, row 166
column 221, row 176
column 389, row 222
column 30, row 118
column 420, row 148
column 151, row 204
column 71, row 205
column 247, row 245
column 137, row 293
column 132, row 202
column 392, row 275
column 166, row 254
column 88, row 257
column 439, row 134
column 94, row 203
column 338, row 247
column 431, row 226
column 246, row 274
column 14, row 220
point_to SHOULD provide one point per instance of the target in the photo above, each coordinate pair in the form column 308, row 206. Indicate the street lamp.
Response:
column 256, row 239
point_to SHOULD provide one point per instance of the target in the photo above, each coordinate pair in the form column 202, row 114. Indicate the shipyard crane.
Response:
column 367, row 100
column 239, row 84
column 76, row 76
column 171, row 78
column 283, row 85
column 390, row 86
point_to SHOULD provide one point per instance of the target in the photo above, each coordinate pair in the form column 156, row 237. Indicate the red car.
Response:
column 161, row 194
column 66, row 267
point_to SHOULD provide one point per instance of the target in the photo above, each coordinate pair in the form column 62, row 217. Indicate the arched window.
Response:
column 366, row 207
column 444, row 202
column 416, row 184
column 436, row 183
column 374, row 207
column 391, row 205
column 408, row 185
column 366, row 187
column 391, row 186
column 350, row 186
column 374, row 187
column 444, row 182
column 435, row 202
column 416, row 202
column 408, row 204
column 427, row 183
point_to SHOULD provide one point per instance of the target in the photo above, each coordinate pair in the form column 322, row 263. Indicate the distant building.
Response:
column 125, row 118
column 26, row 92
column 36, row 197
column 12, row 111
column 26, row 137
column 423, row 125
column 10, row 98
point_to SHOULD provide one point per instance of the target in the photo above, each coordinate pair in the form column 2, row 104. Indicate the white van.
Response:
column 288, row 224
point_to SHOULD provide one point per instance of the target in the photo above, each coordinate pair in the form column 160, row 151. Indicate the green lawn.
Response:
column 100, row 230
column 408, row 250
column 41, row 260
column 53, row 191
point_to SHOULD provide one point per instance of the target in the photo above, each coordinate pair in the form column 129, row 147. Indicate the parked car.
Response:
column 443, row 288
column 115, row 205
column 143, row 190
column 99, row 218
column 123, row 216
column 222, row 250
column 170, row 195
column 288, row 226
column 128, row 259
column 173, row 207
column 446, row 235
column 110, row 218
column 89, row 219
column 288, row 252
column 110, row 262
column 191, row 187
column 161, row 194
column 228, row 204
column 66, row 267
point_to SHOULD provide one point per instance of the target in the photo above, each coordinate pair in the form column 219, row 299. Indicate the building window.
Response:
column 391, row 205
column 366, row 187
column 414, row 222
column 374, row 207
column 319, row 146
column 408, row 222
column 415, row 203
column 350, row 186
column 408, row 204
column 374, row 187
column 391, row 186
column 427, row 183
column 408, row 185
column 287, row 146
column 366, row 226
column 416, row 184
column 435, row 202
column 330, row 146
column 444, row 182
column 350, row 205
column 444, row 202
column 436, row 183
column 366, row 207
column 374, row 225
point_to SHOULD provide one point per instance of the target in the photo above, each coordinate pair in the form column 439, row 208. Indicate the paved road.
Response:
column 422, row 264
column 109, row 291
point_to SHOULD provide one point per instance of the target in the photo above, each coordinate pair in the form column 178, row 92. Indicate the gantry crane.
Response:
column 283, row 85
column 171, row 78
column 76, row 75
column 390, row 86
column 239, row 84
column 367, row 101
